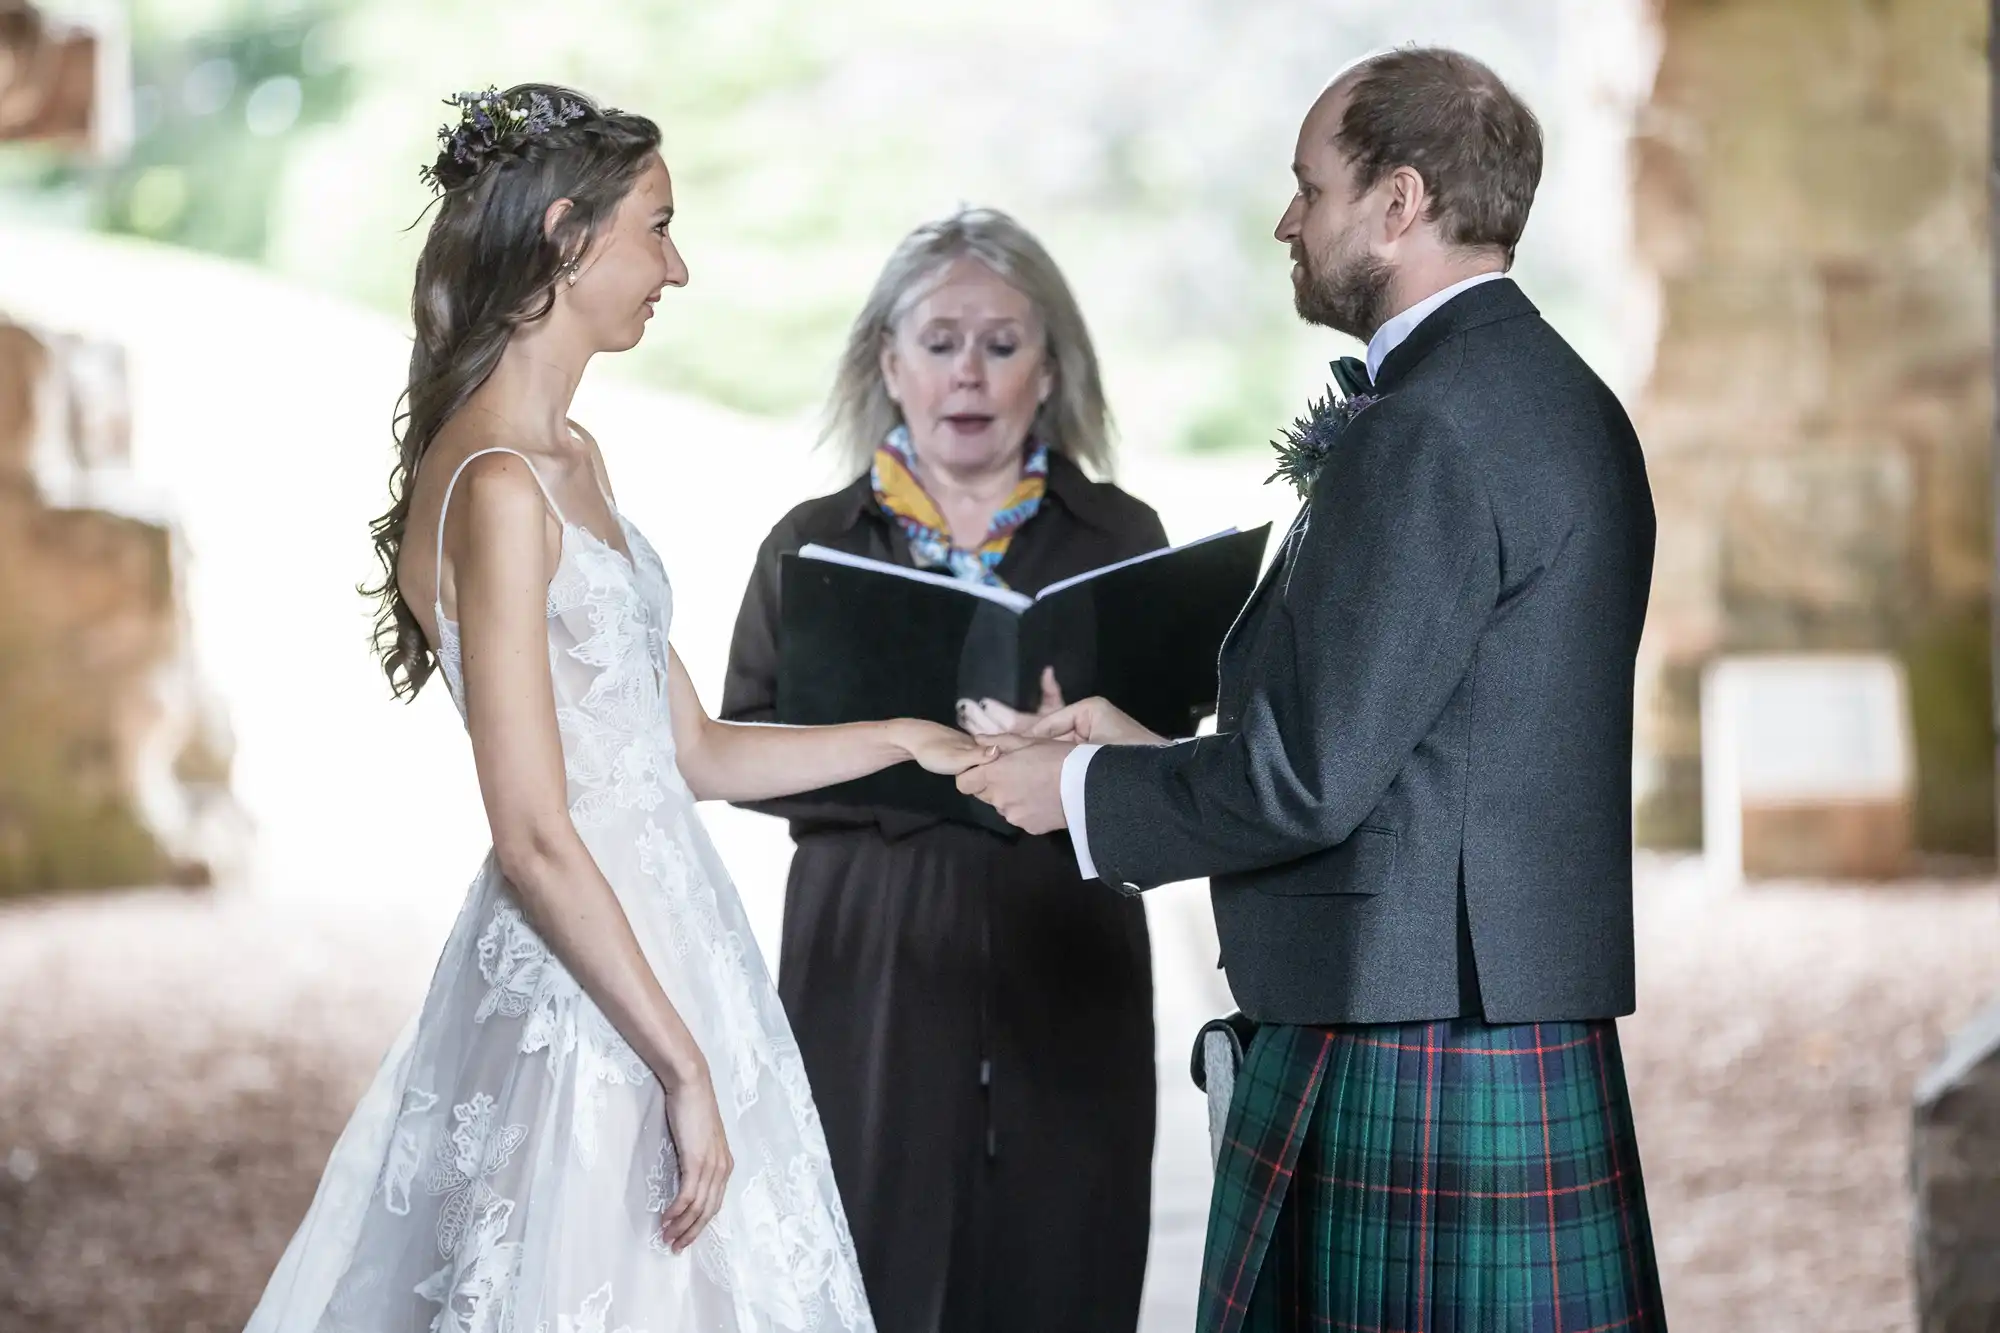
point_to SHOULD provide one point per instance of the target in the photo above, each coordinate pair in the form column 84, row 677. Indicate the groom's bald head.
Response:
column 1452, row 120
column 1416, row 170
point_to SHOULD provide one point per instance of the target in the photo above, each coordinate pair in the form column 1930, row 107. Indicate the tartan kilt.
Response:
column 1444, row 1177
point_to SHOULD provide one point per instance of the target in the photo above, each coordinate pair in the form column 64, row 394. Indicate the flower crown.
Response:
column 491, row 125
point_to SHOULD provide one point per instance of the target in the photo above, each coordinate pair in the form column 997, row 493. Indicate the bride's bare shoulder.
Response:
column 495, row 474
column 498, row 484
column 493, row 493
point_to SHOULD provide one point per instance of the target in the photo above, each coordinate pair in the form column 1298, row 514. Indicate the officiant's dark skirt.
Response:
column 977, row 1024
column 1448, row 1177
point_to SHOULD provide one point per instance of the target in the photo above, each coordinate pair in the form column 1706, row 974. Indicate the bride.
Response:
column 598, row 1123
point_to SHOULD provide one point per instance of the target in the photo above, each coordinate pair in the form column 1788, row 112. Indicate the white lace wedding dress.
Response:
column 507, row 1170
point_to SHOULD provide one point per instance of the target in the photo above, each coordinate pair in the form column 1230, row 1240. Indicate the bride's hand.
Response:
column 939, row 749
column 1093, row 722
column 990, row 717
column 694, row 1121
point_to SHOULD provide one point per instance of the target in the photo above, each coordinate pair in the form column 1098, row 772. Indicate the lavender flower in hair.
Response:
column 491, row 125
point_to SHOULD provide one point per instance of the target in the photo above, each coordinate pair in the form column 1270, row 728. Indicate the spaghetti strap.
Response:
column 444, row 509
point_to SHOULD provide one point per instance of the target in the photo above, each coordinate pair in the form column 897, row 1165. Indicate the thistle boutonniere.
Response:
column 1303, row 446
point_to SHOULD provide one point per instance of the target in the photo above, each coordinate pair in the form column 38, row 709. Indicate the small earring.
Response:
column 569, row 271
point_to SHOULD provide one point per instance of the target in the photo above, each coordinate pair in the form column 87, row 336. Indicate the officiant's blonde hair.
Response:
column 1074, row 419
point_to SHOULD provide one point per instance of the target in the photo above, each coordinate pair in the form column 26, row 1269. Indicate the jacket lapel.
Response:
column 1485, row 304
column 1271, row 576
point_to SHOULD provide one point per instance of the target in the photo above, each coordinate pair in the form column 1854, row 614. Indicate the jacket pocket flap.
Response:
column 1361, row 865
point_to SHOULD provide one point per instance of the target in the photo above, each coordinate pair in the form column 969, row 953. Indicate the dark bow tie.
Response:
column 1350, row 376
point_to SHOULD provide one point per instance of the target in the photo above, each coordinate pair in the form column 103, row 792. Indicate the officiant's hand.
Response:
column 990, row 717
column 1093, row 722
column 1023, row 781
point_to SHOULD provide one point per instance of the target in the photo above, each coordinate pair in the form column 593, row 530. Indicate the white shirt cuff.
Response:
column 1075, row 765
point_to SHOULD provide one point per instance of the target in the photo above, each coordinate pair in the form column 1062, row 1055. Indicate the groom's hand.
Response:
column 1095, row 721
column 1024, row 783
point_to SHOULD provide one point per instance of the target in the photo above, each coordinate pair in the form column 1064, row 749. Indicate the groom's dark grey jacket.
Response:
column 1418, row 801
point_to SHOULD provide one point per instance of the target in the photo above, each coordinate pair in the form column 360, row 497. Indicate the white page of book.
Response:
column 1088, row 575
column 1006, row 597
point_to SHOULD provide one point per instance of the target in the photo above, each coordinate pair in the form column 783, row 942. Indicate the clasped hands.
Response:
column 1020, row 774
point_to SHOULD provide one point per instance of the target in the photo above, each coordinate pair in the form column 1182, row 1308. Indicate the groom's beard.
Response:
column 1346, row 291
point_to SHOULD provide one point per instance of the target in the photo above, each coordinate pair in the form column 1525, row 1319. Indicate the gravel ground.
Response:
column 173, row 1070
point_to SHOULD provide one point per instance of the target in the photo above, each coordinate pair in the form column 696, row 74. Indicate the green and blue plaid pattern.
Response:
column 1447, row 1177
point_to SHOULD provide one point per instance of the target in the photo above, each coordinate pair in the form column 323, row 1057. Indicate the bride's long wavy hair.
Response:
column 488, row 267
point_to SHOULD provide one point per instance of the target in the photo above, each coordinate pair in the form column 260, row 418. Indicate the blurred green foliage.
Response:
column 217, row 103
column 1147, row 146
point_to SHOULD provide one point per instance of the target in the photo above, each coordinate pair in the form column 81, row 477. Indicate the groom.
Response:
column 1416, row 810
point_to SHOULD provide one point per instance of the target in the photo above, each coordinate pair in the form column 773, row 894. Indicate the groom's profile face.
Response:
column 1338, row 280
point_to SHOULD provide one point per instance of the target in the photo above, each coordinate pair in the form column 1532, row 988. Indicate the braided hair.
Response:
column 488, row 267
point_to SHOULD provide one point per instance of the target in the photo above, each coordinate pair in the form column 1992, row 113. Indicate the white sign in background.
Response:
column 1798, row 729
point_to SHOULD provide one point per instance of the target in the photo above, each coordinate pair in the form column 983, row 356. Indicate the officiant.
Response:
column 977, row 1024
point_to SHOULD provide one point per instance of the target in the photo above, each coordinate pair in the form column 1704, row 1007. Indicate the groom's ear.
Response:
column 1409, row 200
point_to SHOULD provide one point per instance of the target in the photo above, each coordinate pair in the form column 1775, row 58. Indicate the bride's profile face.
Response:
column 632, row 261
column 968, row 364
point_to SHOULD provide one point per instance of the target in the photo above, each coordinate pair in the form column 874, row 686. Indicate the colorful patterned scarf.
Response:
column 901, row 494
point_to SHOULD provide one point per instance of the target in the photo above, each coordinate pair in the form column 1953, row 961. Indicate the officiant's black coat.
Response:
column 976, row 1021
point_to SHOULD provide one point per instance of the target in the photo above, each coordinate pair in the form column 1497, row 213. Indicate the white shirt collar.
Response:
column 1400, row 326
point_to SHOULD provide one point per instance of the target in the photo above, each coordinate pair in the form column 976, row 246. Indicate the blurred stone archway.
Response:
column 113, row 760
column 1811, row 193
column 62, row 81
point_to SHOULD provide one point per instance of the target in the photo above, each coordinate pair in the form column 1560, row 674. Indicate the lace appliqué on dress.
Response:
column 406, row 1151
column 475, row 1288
column 481, row 1148
column 790, row 1248
column 528, row 982
column 619, row 753
column 592, row 1318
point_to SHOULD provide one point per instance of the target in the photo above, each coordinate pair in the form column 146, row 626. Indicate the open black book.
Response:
column 861, row 639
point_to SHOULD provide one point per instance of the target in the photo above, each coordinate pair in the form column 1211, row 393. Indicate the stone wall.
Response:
column 51, row 85
column 113, row 770
column 1811, row 191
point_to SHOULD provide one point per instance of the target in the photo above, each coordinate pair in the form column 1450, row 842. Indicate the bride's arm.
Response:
column 501, row 569
column 500, row 560
column 741, row 761
column 755, row 761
